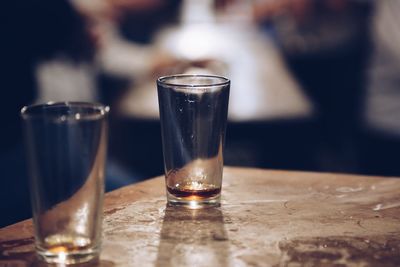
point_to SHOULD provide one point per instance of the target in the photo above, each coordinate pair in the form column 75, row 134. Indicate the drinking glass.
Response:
column 66, row 151
column 193, row 114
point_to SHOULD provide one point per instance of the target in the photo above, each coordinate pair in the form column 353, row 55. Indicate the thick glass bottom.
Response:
column 65, row 249
column 193, row 202
column 68, row 257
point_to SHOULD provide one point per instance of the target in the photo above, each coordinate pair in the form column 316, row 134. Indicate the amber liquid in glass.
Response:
column 198, row 182
column 191, row 194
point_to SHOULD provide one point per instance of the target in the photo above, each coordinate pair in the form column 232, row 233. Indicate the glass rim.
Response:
column 163, row 80
column 100, row 110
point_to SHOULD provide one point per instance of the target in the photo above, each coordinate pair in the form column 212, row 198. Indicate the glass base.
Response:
column 194, row 202
column 72, row 257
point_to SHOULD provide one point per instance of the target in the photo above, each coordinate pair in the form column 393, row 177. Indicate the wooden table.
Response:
column 267, row 218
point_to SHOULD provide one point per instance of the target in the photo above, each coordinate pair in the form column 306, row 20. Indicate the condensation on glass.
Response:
column 66, row 150
column 193, row 114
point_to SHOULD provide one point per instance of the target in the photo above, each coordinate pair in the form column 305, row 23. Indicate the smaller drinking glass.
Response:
column 193, row 114
column 66, row 147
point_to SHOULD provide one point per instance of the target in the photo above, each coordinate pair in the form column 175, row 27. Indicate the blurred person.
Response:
column 326, row 45
column 381, row 142
column 128, row 56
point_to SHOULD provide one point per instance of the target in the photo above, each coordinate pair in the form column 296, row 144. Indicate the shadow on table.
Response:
column 193, row 238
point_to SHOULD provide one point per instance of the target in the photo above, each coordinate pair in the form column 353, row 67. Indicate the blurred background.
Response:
column 315, row 83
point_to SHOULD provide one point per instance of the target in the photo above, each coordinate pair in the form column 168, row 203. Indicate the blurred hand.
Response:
column 299, row 9
column 263, row 10
column 114, row 9
column 164, row 64
column 119, row 8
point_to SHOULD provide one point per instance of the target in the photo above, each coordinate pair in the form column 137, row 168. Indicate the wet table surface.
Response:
column 267, row 218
